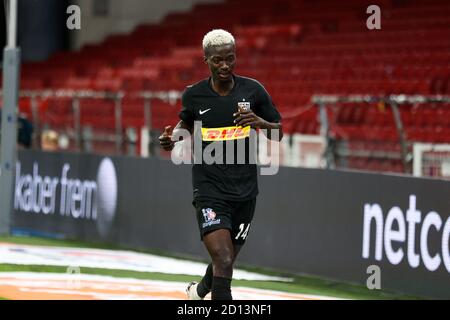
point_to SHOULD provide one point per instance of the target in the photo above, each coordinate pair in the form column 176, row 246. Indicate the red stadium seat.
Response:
column 296, row 50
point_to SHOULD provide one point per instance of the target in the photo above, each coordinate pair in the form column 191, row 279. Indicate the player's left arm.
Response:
column 263, row 115
column 249, row 118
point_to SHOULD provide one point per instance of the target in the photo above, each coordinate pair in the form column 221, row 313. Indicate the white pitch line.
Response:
column 111, row 259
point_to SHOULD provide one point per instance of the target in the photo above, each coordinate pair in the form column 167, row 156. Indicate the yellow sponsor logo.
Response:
column 225, row 133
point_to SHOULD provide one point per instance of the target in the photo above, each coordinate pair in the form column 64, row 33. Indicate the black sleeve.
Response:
column 187, row 113
column 265, row 107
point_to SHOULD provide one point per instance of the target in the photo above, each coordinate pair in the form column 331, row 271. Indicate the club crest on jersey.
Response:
column 210, row 217
column 244, row 105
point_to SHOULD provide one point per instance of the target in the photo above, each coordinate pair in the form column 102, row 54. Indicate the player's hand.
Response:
column 245, row 118
column 165, row 140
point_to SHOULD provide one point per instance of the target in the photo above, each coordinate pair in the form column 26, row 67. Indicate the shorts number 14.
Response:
column 242, row 233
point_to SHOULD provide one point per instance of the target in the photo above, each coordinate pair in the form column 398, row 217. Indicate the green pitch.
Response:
column 301, row 284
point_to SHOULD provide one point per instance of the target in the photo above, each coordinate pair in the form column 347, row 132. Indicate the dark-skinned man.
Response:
column 224, row 193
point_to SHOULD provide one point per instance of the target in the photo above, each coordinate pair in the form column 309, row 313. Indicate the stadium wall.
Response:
column 123, row 17
column 41, row 28
column 327, row 223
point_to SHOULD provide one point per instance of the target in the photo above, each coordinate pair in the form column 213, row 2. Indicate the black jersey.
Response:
column 233, row 181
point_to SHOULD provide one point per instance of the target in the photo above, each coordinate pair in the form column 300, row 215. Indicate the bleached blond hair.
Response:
column 217, row 37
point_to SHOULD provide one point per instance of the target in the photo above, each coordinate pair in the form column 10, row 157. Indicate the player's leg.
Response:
column 213, row 215
column 220, row 248
column 241, row 219
column 205, row 285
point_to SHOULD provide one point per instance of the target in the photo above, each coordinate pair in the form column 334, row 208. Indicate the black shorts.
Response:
column 236, row 216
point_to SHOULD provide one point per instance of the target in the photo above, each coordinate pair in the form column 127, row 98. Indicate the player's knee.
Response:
column 223, row 261
column 226, row 261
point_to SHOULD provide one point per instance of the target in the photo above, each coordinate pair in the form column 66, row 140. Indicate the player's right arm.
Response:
column 186, row 122
column 165, row 140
